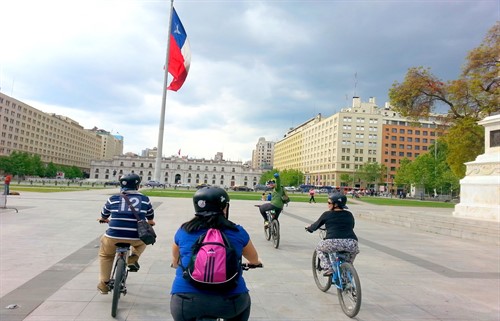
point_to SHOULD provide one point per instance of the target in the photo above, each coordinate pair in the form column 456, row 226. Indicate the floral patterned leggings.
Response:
column 334, row 245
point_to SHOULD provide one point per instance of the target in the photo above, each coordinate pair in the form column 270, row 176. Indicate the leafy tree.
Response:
column 371, row 172
column 289, row 177
column 345, row 179
column 51, row 170
column 404, row 176
column 429, row 170
column 468, row 99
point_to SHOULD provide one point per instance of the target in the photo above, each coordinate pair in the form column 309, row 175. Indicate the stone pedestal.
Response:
column 480, row 188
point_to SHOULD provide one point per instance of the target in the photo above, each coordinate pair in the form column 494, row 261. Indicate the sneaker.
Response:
column 133, row 263
column 103, row 287
column 328, row 272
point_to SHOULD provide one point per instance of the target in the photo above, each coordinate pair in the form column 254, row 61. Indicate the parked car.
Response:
column 261, row 187
column 242, row 188
column 202, row 185
column 154, row 184
column 291, row 188
column 112, row 183
column 182, row 185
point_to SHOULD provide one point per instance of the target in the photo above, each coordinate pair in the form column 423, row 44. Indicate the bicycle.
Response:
column 245, row 267
column 118, row 282
column 344, row 277
column 272, row 229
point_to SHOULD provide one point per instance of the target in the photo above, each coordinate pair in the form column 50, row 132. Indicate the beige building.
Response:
column 325, row 148
column 55, row 138
column 178, row 170
column 262, row 155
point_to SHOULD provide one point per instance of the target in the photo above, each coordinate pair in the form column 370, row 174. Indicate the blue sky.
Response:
column 258, row 67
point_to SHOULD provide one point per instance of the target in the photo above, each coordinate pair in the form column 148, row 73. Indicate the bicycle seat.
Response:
column 122, row 244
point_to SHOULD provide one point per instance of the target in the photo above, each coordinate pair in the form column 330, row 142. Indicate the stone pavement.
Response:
column 49, row 266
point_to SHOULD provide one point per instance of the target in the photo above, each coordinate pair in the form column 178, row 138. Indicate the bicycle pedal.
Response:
column 133, row 268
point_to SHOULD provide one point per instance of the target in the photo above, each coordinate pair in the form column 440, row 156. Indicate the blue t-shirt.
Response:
column 239, row 239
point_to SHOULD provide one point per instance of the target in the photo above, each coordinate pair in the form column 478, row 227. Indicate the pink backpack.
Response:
column 214, row 263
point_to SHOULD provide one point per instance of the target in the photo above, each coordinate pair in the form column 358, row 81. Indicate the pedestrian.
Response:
column 311, row 195
column 6, row 182
column 263, row 198
column 123, row 227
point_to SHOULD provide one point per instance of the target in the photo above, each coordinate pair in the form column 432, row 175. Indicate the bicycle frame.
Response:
column 337, row 259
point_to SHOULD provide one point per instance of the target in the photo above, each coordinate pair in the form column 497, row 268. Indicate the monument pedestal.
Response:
column 480, row 188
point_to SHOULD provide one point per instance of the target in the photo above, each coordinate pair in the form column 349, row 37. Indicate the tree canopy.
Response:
column 468, row 99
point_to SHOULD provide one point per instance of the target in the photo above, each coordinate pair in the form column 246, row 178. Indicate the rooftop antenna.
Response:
column 355, row 83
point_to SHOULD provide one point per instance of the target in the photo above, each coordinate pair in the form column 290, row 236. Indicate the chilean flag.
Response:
column 180, row 53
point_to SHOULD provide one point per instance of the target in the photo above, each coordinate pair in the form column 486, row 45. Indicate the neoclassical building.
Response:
column 178, row 170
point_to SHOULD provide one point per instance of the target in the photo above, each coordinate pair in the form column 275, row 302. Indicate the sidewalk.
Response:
column 49, row 266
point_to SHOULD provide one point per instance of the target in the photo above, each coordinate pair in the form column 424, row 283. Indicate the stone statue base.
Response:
column 480, row 188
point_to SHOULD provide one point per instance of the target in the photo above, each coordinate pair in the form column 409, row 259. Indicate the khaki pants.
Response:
column 107, row 254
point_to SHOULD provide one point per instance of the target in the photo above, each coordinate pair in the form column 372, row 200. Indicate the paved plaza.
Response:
column 49, row 266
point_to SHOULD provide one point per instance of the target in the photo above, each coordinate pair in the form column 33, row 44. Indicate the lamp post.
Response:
column 353, row 168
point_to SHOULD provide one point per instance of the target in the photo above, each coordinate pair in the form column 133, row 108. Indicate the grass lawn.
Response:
column 49, row 188
column 250, row 196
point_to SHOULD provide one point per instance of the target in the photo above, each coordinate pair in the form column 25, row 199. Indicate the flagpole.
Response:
column 163, row 104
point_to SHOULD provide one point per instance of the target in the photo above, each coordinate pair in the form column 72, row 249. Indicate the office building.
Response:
column 55, row 138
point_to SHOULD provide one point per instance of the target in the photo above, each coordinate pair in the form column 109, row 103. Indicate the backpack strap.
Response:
column 132, row 208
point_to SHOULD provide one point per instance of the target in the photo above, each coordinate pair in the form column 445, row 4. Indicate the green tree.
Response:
column 51, row 170
column 405, row 175
column 289, row 177
column 345, row 179
column 371, row 172
column 468, row 99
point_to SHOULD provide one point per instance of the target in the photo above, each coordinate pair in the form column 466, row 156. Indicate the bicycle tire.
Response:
column 267, row 231
column 322, row 282
column 350, row 293
column 275, row 231
column 117, row 289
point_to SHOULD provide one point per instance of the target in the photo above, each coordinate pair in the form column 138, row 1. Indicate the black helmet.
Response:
column 339, row 199
column 130, row 182
column 210, row 201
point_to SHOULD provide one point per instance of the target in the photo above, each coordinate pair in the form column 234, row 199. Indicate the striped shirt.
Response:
column 122, row 221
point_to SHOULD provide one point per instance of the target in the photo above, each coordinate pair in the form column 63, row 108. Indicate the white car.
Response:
column 291, row 188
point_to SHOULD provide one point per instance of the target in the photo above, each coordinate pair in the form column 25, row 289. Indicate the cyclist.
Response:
column 340, row 234
column 187, row 303
column 123, row 227
column 276, row 202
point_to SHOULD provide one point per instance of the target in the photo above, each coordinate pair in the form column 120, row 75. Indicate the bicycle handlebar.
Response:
column 248, row 266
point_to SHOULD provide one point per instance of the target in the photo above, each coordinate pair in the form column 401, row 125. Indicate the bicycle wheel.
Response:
column 267, row 231
column 119, row 282
column 350, row 294
column 275, row 231
column 322, row 282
